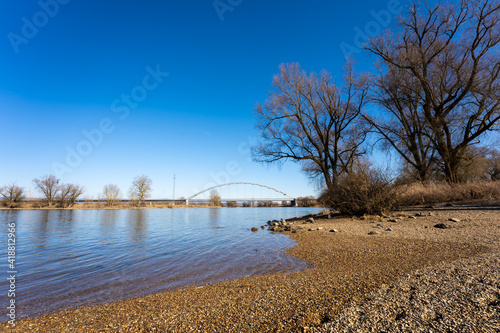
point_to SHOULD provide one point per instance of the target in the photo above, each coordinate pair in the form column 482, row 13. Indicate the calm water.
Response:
column 66, row 258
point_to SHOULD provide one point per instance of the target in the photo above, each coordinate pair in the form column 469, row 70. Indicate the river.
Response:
column 67, row 258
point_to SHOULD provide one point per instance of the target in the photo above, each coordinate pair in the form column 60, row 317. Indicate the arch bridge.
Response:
column 286, row 197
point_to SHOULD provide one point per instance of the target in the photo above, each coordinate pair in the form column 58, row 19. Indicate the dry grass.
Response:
column 420, row 194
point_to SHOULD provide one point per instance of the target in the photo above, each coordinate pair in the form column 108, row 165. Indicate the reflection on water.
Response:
column 214, row 218
column 82, row 257
column 108, row 222
column 137, row 224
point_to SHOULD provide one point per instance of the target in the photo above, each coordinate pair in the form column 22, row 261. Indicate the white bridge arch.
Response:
column 285, row 196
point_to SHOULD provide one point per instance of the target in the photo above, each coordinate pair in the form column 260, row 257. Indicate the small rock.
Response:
column 377, row 226
column 262, row 226
column 320, row 228
column 310, row 229
column 254, row 229
column 334, row 230
column 392, row 220
column 388, row 229
column 453, row 219
column 373, row 233
column 411, row 217
column 310, row 220
column 441, row 226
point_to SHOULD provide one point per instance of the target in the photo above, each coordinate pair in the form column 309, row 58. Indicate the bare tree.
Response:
column 69, row 193
column 111, row 193
column 140, row 189
column 451, row 53
column 12, row 193
column 400, row 125
column 308, row 119
column 48, row 185
column 215, row 199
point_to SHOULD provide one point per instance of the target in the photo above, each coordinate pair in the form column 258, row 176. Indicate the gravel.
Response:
column 416, row 275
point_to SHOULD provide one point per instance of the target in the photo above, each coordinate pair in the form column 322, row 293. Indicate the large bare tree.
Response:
column 48, row 185
column 400, row 125
column 140, row 189
column 450, row 52
column 310, row 120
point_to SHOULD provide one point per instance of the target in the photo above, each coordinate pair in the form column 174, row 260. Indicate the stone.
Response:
column 254, row 229
column 454, row 219
column 373, row 233
column 320, row 228
column 388, row 229
column 310, row 220
column 441, row 226
column 392, row 220
column 334, row 230
column 262, row 226
column 412, row 217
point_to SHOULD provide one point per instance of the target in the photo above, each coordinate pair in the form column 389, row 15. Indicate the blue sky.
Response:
column 98, row 92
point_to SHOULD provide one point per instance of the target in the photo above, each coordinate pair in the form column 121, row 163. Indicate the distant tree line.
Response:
column 57, row 194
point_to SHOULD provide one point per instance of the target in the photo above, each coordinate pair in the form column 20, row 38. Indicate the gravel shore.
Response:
column 363, row 277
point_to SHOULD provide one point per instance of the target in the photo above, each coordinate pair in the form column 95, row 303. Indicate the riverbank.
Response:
column 349, row 267
column 102, row 206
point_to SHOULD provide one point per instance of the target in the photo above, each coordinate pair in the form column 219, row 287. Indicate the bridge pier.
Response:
column 293, row 203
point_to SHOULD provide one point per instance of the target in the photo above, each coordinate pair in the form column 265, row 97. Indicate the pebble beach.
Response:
column 400, row 272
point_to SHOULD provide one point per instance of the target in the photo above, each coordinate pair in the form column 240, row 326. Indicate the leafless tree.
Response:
column 111, row 193
column 48, row 185
column 12, row 193
column 308, row 119
column 141, row 189
column 69, row 193
column 400, row 125
column 215, row 199
column 451, row 53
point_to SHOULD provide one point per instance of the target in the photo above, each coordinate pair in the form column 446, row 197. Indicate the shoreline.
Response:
column 145, row 207
column 348, row 266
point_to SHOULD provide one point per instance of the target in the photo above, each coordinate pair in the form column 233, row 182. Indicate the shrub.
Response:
column 362, row 191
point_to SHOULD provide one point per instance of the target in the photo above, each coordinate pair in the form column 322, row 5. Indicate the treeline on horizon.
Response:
column 55, row 194
column 431, row 99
